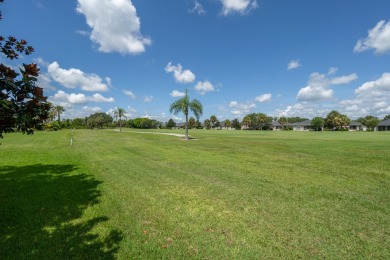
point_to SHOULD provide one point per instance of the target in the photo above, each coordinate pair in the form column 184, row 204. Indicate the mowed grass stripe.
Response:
column 231, row 194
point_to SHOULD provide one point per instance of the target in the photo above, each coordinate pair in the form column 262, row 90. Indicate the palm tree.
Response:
column 213, row 120
column 183, row 105
column 246, row 121
column 227, row 123
column 119, row 113
column 58, row 110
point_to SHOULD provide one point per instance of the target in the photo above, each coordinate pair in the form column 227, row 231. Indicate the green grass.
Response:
column 226, row 195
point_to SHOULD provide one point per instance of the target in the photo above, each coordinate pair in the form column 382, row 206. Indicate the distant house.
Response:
column 384, row 125
column 223, row 127
column 356, row 126
column 302, row 126
column 180, row 125
column 276, row 126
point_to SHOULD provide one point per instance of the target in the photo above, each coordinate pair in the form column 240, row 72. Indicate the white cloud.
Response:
column 129, row 93
column 294, row 64
column 372, row 97
column 91, row 110
column 63, row 98
column 148, row 99
column 129, row 113
column 343, row 79
column 73, row 78
column 381, row 84
column 318, row 85
column 308, row 110
column 176, row 93
column 198, row 8
column 310, row 93
column 237, row 6
column 378, row 39
column 204, row 87
column 264, row 98
column 44, row 81
column 115, row 25
column 99, row 98
column 238, row 109
column 180, row 76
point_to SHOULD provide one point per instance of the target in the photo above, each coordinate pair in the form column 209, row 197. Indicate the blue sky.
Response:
column 279, row 57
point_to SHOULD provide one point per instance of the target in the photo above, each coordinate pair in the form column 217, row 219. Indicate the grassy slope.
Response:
column 230, row 194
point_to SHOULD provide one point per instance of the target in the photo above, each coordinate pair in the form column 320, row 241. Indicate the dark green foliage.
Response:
column 317, row 123
column 22, row 104
column 336, row 121
column 99, row 120
column 257, row 121
column 207, row 123
column 370, row 121
column 171, row 123
column 236, row 124
column 143, row 123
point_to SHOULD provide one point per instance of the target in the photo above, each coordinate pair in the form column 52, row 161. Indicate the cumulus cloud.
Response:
column 44, row 81
column 237, row 6
column 371, row 97
column 294, row 64
column 238, row 109
column 378, row 39
column 180, row 76
column 64, row 98
column 264, row 98
column 176, row 93
column 197, row 8
column 115, row 25
column 308, row 110
column 73, row 78
column 128, row 93
column 318, row 87
column 310, row 93
column 204, row 87
column 99, row 98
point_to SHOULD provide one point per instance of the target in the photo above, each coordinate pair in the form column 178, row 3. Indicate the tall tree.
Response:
column 317, row 123
column 22, row 103
column 236, row 124
column 207, row 123
column 227, row 123
column 213, row 120
column 336, row 121
column 171, row 123
column 184, row 105
column 371, row 122
column 192, row 123
column 59, row 110
column 386, row 117
column 246, row 121
column 119, row 113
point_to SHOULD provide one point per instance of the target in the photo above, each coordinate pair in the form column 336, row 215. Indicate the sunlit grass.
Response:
column 228, row 194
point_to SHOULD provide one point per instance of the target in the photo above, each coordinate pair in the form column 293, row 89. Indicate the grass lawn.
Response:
column 226, row 195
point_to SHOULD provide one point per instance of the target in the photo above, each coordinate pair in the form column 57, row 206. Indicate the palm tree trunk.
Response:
column 186, row 126
column 120, row 125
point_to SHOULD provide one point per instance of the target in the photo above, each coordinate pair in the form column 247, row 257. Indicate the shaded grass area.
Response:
column 42, row 198
column 229, row 194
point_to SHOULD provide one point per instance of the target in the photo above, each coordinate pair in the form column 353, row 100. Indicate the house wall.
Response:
column 384, row 128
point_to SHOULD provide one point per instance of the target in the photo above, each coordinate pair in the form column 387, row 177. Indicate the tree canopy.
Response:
column 184, row 105
column 22, row 104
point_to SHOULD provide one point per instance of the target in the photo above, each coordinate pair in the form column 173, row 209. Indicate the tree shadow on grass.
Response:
column 40, row 214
